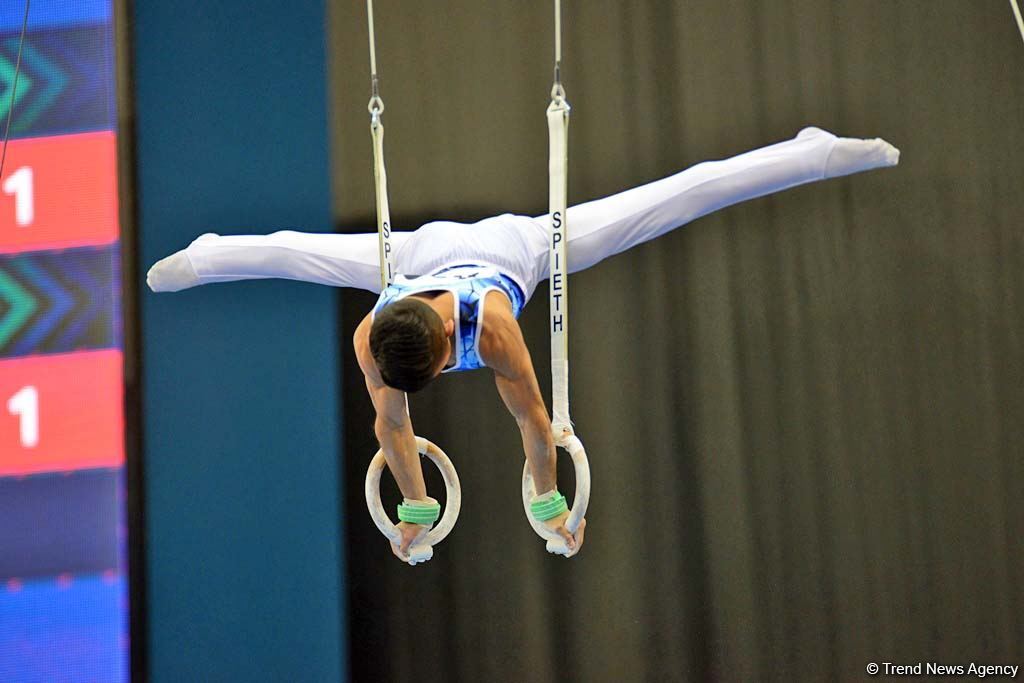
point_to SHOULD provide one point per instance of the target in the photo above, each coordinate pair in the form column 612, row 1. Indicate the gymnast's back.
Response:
column 507, row 243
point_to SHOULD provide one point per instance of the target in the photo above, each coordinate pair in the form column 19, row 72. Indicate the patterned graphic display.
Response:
column 52, row 302
column 63, row 572
column 63, row 86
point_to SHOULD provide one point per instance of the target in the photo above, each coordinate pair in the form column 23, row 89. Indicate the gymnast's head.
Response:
column 409, row 343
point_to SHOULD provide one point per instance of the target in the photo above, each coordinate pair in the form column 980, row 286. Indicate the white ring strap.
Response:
column 558, row 292
column 558, row 299
column 387, row 268
column 423, row 551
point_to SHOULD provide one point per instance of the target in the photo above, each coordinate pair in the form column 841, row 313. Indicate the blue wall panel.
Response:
column 70, row 628
column 46, row 13
column 241, row 380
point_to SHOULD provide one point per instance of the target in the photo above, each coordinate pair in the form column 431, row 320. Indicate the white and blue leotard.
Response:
column 469, row 284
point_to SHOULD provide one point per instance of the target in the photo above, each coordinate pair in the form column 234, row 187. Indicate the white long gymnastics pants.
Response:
column 518, row 245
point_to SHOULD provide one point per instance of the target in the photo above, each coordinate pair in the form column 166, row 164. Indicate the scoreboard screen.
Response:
column 63, row 530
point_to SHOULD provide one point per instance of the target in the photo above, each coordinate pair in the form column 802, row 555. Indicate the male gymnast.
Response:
column 432, row 319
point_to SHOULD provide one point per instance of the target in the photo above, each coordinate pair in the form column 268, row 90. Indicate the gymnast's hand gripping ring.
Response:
column 423, row 550
column 556, row 544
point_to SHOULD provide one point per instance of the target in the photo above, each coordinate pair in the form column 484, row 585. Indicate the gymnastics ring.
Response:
column 556, row 544
column 423, row 550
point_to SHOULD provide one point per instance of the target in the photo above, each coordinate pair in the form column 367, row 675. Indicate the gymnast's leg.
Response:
column 608, row 226
column 323, row 258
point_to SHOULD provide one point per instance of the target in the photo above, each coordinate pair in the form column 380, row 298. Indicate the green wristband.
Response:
column 544, row 510
column 425, row 514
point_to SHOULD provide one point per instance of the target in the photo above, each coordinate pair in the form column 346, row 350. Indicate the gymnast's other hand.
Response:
column 557, row 524
column 410, row 534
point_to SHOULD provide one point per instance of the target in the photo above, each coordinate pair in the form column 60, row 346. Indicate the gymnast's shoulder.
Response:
column 361, row 347
column 502, row 347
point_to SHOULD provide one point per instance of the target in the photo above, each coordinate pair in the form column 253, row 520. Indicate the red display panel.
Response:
column 59, row 192
column 61, row 412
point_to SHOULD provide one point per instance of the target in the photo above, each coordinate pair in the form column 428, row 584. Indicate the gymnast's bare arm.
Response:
column 395, row 434
column 503, row 349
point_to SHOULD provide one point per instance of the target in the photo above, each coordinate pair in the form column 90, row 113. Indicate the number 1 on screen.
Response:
column 25, row 405
column 20, row 185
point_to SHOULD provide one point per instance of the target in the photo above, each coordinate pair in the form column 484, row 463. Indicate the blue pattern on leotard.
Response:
column 469, row 283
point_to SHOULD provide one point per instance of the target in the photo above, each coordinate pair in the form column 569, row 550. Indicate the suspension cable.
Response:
column 1016, row 14
column 14, row 88
column 557, row 92
column 376, row 104
column 376, row 109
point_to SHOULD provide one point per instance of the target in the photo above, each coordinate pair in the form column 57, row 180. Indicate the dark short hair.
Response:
column 407, row 341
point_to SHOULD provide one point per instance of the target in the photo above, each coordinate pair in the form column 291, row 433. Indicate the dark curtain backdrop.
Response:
column 803, row 413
